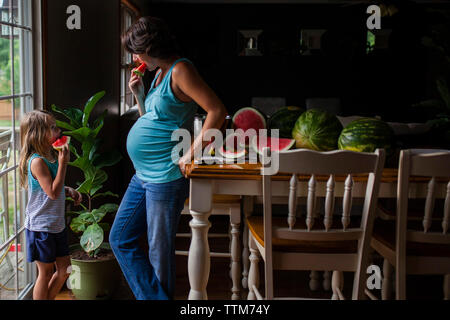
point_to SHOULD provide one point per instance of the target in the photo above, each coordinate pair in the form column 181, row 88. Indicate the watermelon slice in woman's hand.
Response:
column 140, row 70
column 61, row 142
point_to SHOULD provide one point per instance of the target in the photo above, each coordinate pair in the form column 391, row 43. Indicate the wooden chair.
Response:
column 295, row 244
column 413, row 244
column 231, row 206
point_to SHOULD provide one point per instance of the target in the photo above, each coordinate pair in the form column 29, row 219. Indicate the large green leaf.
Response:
column 90, row 105
column 104, row 194
column 87, row 145
column 93, row 181
column 95, row 189
column 99, row 178
column 94, row 148
column 82, row 163
column 87, row 217
column 80, row 134
column 92, row 238
column 100, row 119
column 64, row 125
column 74, row 150
column 98, row 214
column 75, row 115
column 78, row 224
column 85, row 187
column 97, row 129
column 108, row 159
column 109, row 207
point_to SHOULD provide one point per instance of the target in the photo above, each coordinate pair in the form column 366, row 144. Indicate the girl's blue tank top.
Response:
column 42, row 213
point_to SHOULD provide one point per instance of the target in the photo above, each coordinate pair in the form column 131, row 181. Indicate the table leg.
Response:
column 200, row 202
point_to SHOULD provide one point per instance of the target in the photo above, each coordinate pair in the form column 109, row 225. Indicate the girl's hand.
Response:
column 75, row 195
column 64, row 155
column 136, row 85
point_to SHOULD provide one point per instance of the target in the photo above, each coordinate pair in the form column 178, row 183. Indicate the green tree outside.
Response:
column 5, row 67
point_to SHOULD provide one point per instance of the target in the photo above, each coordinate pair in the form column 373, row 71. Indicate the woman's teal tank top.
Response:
column 149, row 142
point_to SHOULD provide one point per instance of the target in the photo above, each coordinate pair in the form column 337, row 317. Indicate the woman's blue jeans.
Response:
column 153, row 208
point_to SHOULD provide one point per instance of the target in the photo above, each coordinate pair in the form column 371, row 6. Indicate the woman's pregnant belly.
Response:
column 150, row 149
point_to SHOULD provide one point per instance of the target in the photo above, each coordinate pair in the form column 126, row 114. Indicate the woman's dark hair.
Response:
column 152, row 36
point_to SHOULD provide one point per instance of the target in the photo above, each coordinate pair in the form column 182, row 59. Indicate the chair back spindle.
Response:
column 347, row 202
column 311, row 202
column 292, row 214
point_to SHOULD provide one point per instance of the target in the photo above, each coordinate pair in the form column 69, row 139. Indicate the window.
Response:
column 16, row 98
column 126, row 97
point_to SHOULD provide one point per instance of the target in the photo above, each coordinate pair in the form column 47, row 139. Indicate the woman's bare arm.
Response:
column 186, row 78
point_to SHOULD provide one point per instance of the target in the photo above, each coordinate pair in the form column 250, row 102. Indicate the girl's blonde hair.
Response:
column 34, row 130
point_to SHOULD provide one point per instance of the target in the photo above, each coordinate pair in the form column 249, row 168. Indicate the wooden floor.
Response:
column 287, row 283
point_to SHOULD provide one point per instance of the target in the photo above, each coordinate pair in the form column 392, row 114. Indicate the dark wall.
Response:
column 385, row 83
column 80, row 63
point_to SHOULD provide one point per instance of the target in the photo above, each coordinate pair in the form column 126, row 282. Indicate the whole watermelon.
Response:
column 317, row 130
column 366, row 135
column 284, row 119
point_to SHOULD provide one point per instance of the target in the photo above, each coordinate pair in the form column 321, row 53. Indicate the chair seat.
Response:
column 256, row 227
column 384, row 233
column 222, row 198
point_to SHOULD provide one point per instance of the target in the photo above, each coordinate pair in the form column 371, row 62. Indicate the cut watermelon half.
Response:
column 249, row 118
column 61, row 142
column 275, row 144
column 140, row 70
column 231, row 147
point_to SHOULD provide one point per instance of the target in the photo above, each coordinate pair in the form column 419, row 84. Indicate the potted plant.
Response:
column 94, row 268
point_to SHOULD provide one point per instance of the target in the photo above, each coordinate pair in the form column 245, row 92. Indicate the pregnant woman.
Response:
column 156, row 194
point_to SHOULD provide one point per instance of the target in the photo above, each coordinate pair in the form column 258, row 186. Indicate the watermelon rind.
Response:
column 140, row 74
column 284, row 119
column 318, row 130
column 257, row 149
column 239, row 151
column 366, row 135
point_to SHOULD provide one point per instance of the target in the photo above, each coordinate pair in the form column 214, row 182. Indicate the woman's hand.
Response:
column 75, row 195
column 136, row 85
column 182, row 164
column 64, row 155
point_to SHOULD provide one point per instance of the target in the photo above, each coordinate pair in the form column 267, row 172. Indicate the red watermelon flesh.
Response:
column 140, row 70
column 249, row 118
column 61, row 142
column 275, row 144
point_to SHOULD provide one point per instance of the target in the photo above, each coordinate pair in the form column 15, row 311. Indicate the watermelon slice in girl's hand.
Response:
column 140, row 70
column 61, row 142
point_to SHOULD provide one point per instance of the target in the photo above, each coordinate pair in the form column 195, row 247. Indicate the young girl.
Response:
column 42, row 171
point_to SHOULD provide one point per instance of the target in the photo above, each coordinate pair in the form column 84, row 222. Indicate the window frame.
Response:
column 127, row 16
column 29, row 29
